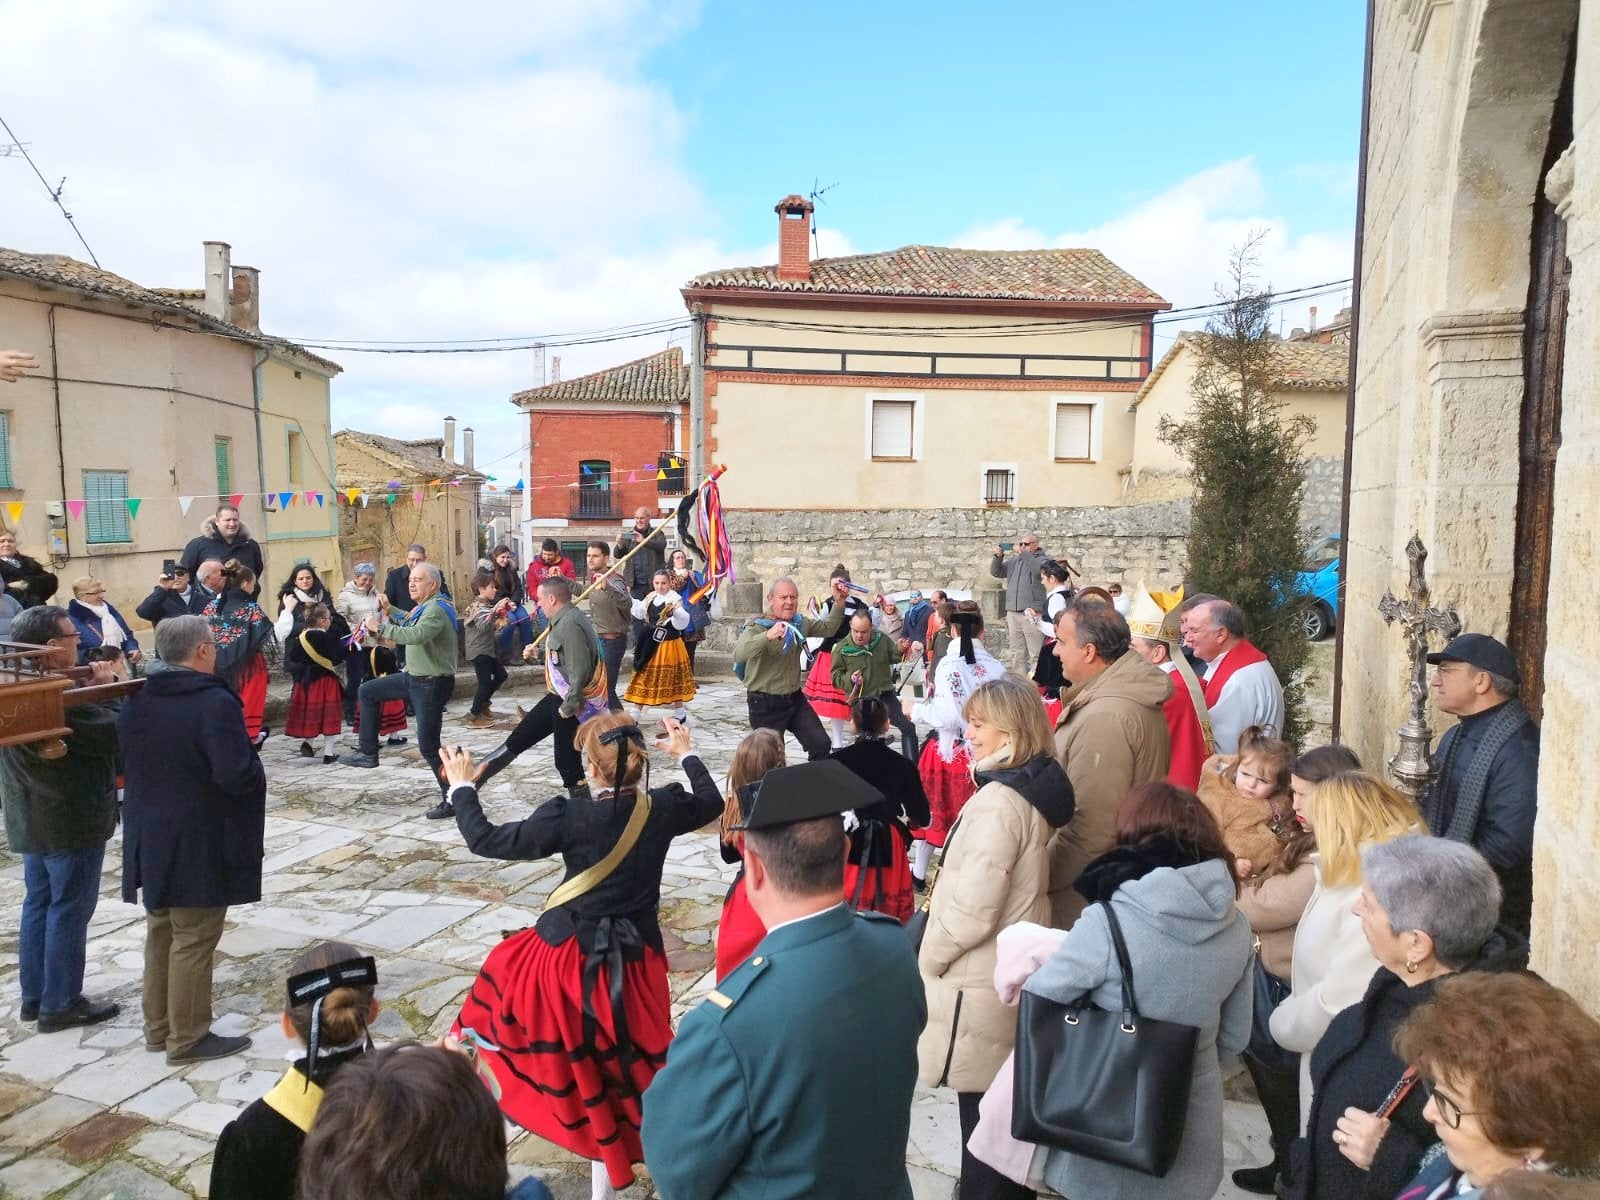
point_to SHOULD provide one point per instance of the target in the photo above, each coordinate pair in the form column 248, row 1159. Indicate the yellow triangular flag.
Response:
column 350, row 494
column 661, row 474
column 14, row 511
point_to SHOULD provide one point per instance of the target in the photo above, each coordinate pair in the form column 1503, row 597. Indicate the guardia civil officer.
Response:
column 795, row 1078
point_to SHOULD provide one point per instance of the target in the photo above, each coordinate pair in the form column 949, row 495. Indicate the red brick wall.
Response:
column 627, row 440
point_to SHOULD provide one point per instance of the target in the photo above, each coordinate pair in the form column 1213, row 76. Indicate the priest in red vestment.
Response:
column 1241, row 688
column 1153, row 621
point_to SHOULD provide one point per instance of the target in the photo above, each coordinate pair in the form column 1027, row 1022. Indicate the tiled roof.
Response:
column 657, row 380
column 61, row 271
column 1064, row 276
column 1296, row 366
column 413, row 461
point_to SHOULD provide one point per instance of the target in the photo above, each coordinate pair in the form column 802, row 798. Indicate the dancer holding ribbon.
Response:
column 830, row 702
column 767, row 658
column 661, row 671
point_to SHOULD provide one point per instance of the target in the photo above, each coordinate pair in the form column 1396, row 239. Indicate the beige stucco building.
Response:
column 1476, row 362
column 164, row 397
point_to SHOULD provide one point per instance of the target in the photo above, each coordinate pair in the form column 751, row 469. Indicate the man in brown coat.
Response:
column 1111, row 735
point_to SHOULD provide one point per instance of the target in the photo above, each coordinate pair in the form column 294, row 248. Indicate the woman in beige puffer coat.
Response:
column 996, row 872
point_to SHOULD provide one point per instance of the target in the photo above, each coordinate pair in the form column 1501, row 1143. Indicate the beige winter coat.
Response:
column 996, row 872
column 1111, row 734
column 1274, row 907
column 1246, row 824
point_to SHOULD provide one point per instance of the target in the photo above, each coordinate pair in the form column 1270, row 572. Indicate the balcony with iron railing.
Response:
column 594, row 504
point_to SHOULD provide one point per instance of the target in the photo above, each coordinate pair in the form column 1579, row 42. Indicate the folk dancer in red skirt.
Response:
column 826, row 700
column 241, row 631
column 572, row 1017
column 738, row 928
column 877, row 873
column 662, row 676
column 316, row 704
column 944, row 764
column 1058, row 594
column 380, row 661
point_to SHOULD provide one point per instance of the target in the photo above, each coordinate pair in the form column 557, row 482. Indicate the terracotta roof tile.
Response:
column 1065, row 276
column 414, row 461
column 1296, row 366
column 656, row 380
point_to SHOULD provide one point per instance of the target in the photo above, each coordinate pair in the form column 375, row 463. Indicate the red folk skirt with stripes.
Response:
column 315, row 708
column 252, row 689
column 739, row 930
column 560, row 1075
column 948, row 786
column 883, row 889
column 391, row 718
column 827, row 701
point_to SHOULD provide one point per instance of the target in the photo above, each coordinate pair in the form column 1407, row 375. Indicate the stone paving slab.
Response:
column 90, row 1114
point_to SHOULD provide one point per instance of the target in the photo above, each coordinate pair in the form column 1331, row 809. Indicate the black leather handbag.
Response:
column 916, row 926
column 1109, row 1086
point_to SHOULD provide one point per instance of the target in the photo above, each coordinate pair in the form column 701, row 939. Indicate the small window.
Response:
column 999, row 488
column 105, row 514
column 5, row 451
column 294, row 458
column 893, row 429
column 224, row 448
column 1074, row 433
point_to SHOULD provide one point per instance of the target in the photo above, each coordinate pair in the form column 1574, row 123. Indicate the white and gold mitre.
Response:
column 1153, row 614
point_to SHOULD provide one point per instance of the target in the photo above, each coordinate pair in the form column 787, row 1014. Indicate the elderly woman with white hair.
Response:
column 357, row 600
column 1429, row 908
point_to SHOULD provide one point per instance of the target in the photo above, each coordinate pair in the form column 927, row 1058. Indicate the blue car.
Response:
column 1318, row 583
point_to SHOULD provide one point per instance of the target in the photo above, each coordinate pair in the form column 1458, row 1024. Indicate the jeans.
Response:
column 612, row 648
column 62, row 890
column 490, row 676
column 543, row 720
column 180, row 946
column 517, row 633
column 355, row 674
column 791, row 713
column 428, row 694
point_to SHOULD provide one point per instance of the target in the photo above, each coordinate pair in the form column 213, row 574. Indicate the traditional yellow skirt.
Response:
column 667, row 679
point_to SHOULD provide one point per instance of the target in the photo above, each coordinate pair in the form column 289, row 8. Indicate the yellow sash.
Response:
column 587, row 880
column 1196, row 694
column 293, row 1100
column 315, row 655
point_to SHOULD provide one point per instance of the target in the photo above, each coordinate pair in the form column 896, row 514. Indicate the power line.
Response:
column 55, row 192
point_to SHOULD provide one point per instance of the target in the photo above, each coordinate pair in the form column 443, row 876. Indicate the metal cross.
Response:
column 1412, row 767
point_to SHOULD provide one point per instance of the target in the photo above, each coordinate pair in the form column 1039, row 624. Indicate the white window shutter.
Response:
column 891, row 428
column 1074, row 427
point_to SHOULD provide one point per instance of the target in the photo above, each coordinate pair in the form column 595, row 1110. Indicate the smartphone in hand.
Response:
column 169, row 568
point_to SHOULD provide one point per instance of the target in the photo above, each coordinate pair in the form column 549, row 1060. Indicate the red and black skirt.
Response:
column 567, row 1064
column 251, row 687
column 885, row 889
column 391, row 717
column 739, row 930
column 948, row 785
column 826, row 700
column 315, row 708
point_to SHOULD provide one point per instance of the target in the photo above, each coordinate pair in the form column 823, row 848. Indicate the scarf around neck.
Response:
column 1123, row 864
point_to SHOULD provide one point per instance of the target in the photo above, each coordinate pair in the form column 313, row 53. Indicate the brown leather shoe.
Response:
column 480, row 720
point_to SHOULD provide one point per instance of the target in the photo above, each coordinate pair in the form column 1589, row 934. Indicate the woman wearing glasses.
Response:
column 1428, row 909
column 1511, row 1069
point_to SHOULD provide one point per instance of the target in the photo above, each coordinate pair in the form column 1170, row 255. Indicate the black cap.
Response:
column 1481, row 651
column 804, row 792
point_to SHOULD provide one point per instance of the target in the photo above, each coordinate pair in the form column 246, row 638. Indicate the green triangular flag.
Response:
column 389, row 499
column 133, row 503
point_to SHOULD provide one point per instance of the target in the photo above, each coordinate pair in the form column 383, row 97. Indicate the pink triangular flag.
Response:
column 416, row 497
column 236, row 499
column 14, row 511
column 631, row 479
column 76, row 507
column 183, row 504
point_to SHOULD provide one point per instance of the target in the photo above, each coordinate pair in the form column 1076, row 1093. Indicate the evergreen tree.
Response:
column 1247, row 462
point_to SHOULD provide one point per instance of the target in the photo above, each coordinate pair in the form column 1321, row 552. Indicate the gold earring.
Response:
column 1411, row 968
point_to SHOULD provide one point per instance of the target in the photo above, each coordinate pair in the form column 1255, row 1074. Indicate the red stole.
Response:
column 1189, row 749
column 1242, row 655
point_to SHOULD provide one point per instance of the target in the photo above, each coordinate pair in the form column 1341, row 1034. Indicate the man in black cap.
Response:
column 795, row 1078
column 1485, row 792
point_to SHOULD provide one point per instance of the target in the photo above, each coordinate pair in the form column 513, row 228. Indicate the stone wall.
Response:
column 1319, row 510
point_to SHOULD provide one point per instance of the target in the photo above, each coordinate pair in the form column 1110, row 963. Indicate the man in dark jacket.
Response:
column 223, row 536
column 640, row 570
column 59, row 813
column 397, row 583
column 195, row 810
column 1024, row 590
column 1485, row 793
column 174, row 595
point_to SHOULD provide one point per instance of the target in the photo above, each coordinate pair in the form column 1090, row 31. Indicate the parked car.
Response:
column 1318, row 583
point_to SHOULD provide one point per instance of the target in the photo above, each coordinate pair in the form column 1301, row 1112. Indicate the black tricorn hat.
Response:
column 806, row 791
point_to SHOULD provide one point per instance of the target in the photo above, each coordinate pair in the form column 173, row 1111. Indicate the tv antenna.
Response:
column 816, row 198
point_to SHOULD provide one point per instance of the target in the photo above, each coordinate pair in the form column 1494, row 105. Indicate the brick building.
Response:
column 599, row 446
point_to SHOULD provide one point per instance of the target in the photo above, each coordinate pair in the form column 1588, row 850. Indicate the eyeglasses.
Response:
column 1449, row 1111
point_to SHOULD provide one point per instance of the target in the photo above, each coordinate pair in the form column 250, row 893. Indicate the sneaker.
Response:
column 1260, row 1181
column 329, row 758
column 84, row 1012
column 30, row 1011
column 357, row 759
column 307, row 750
column 209, row 1047
column 441, row 811
column 396, row 740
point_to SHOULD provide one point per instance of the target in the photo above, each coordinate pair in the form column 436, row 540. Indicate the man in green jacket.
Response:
column 767, row 658
column 863, row 665
column 428, row 632
column 59, row 813
column 794, row 1078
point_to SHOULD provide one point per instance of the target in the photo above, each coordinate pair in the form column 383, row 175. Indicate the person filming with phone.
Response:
column 177, row 593
column 1024, row 590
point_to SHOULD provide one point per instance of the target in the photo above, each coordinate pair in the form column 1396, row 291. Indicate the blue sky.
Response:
column 398, row 169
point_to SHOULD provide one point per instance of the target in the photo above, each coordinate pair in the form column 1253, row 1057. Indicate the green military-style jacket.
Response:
column 875, row 661
column 794, row 1078
column 770, row 666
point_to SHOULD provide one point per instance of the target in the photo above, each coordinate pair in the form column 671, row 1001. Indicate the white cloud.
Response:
column 1178, row 241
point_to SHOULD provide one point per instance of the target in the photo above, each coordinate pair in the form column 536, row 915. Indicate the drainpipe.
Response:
column 261, row 453
column 1350, row 383
column 61, row 441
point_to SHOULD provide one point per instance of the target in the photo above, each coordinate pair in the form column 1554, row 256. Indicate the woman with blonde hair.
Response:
column 98, row 622
column 1332, row 962
column 573, row 1017
column 996, row 872
column 738, row 928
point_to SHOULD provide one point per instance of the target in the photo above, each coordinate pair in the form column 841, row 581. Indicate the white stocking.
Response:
column 600, row 1182
column 328, row 739
column 839, row 725
column 921, row 853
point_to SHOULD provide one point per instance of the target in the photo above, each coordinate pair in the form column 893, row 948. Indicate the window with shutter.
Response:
column 224, row 447
column 999, row 488
column 1074, row 432
column 5, row 451
column 105, row 513
column 892, row 428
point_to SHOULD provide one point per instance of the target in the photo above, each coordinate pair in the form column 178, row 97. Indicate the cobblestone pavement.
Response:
column 89, row 1114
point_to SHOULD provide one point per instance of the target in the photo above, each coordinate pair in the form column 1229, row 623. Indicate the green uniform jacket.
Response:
column 571, row 648
column 67, row 803
column 875, row 662
column 768, row 667
column 430, row 642
column 795, row 1078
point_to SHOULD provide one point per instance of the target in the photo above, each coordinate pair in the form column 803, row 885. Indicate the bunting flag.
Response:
column 236, row 499
column 285, row 499
column 389, row 499
column 584, row 467
column 416, row 497
column 519, row 485
column 319, row 499
column 350, row 495
column 133, row 503
column 630, row 477
column 676, row 464
column 661, row 474
column 14, row 511
column 183, row 505
column 76, row 507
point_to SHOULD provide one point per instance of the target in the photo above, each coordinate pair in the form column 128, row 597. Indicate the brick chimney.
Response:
column 244, row 299
column 794, row 238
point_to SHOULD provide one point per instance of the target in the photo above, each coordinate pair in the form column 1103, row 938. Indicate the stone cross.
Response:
column 1412, row 767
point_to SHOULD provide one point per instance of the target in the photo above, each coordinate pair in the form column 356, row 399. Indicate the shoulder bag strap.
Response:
column 587, row 880
column 1130, row 1007
column 944, row 852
